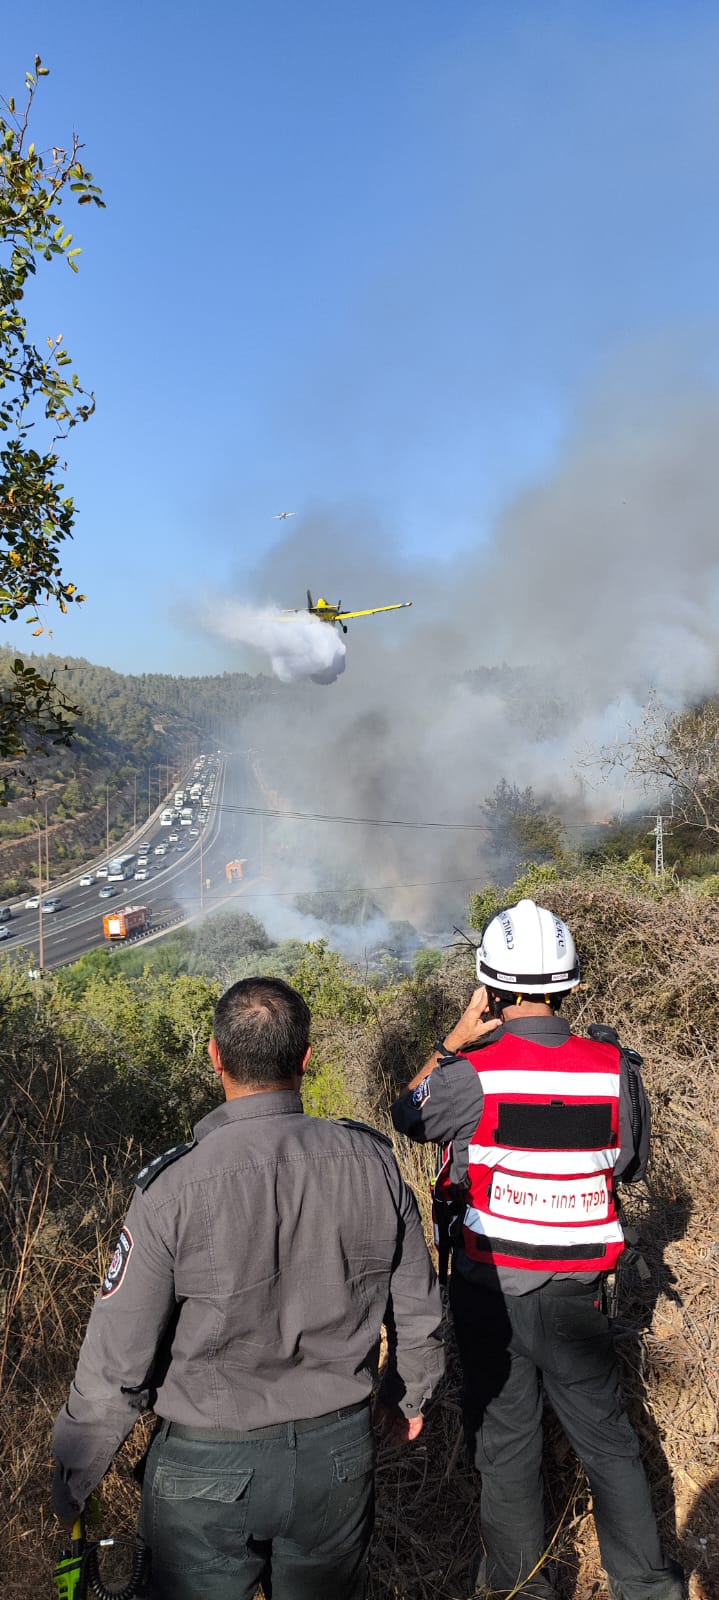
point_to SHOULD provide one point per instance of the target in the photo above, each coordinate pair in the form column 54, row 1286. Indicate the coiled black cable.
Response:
column 129, row 1589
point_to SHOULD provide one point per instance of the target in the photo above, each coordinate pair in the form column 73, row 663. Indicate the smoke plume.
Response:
column 598, row 585
column 299, row 646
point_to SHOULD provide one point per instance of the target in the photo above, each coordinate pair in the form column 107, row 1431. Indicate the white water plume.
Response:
column 298, row 644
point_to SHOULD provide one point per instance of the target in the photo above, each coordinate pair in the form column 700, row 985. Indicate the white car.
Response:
column 160, row 849
column 4, row 933
column 86, row 879
column 101, row 872
column 174, row 838
column 141, row 873
column 32, row 902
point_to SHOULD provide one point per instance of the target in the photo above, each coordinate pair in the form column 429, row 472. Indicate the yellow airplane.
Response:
column 332, row 614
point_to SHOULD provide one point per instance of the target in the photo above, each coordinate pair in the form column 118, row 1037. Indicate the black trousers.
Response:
column 556, row 1336
column 289, row 1507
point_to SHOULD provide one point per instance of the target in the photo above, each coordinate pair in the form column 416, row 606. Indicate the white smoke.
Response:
column 298, row 644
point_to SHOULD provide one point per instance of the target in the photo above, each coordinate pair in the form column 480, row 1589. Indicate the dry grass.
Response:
column 651, row 969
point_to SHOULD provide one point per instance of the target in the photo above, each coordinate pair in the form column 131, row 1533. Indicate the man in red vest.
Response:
column 539, row 1124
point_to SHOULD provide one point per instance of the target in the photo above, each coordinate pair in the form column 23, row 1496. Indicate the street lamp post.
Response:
column 39, row 897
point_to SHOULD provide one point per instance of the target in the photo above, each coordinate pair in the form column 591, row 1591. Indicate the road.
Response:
column 189, row 879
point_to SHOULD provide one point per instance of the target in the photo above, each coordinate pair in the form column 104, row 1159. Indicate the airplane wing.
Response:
column 373, row 610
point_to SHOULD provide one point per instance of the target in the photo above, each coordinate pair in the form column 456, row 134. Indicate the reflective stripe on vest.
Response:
column 542, row 1158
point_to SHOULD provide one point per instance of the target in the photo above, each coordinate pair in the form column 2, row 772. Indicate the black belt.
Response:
column 274, row 1430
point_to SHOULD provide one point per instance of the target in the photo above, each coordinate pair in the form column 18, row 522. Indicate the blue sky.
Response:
column 364, row 259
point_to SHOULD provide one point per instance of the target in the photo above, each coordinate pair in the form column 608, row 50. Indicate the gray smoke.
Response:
column 597, row 586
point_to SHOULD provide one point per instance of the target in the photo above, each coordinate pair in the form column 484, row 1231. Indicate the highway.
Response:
column 188, row 880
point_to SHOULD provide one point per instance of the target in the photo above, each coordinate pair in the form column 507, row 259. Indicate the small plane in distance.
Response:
column 329, row 613
column 281, row 515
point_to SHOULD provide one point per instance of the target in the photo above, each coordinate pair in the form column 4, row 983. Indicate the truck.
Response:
column 179, row 799
column 166, row 820
column 121, row 924
column 186, row 817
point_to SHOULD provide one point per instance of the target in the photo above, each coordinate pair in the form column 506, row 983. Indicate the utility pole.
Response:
column 107, row 818
column 202, row 870
column 39, row 897
column 47, row 851
column 134, row 803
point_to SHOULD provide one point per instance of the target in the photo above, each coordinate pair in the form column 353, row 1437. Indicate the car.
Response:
column 101, row 872
column 107, row 892
column 141, row 873
column 160, row 849
column 5, row 914
column 51, row 905
column 32, row 902
column 174, row 838
column 194, row 833
column 4, row 933
column 86, row 879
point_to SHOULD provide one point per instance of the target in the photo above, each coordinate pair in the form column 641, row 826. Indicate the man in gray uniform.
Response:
column 244, row 1303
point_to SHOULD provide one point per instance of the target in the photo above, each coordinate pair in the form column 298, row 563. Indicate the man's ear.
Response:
column 214, row 1056
column 305, row 1060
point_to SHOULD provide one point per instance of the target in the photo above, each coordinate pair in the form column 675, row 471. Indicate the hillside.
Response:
column 131, row 735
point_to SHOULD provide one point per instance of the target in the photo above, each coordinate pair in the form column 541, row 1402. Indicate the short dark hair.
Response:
column 262, row 1030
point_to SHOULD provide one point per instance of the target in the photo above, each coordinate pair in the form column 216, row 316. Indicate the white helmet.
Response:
column 528, row 950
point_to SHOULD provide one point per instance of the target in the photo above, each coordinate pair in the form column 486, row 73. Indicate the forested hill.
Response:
column 130, row 734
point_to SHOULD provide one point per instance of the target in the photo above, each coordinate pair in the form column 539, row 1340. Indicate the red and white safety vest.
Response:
column 541, row 1160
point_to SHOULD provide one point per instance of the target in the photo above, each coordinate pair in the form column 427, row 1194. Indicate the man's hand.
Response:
column 473, row 1024
column 392, row 1425
column 470, row 1027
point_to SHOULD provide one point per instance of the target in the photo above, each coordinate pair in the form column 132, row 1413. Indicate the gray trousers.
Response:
column 289, row 1507
column 556, row 1337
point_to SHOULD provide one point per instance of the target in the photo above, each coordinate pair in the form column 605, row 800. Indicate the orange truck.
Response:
column 120, row 924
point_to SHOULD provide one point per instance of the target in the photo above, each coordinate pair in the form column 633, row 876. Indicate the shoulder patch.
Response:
column 365, row 1127
column 118, row 1266
column 422, row 1092
column 152, row 1170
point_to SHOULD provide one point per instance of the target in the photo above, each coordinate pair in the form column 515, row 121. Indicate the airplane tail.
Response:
column 310, row 601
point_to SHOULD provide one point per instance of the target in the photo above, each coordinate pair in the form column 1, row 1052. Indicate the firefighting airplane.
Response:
column 328, row 613
column 280, row 516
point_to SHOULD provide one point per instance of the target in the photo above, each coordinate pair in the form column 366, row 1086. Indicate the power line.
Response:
column 362, row 888
column 372, row 822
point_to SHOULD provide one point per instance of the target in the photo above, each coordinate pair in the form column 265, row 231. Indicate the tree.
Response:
column 40, row 402
column 677, row 754
column 520, row 828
